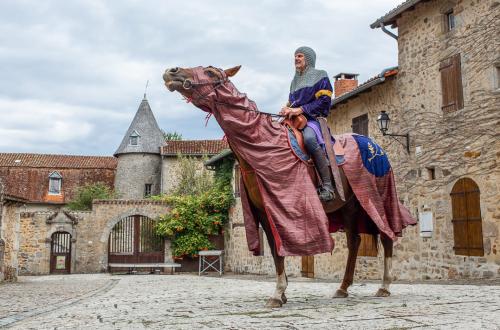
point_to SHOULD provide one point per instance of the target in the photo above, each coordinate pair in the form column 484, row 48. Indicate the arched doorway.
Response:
column 133, row 240
column 467, row 226
column 60, row 253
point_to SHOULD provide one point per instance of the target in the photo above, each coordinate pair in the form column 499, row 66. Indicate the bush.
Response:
column 82, row 201
column 197, row 214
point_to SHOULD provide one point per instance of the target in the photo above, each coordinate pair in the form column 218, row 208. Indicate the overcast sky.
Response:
column 73, row 72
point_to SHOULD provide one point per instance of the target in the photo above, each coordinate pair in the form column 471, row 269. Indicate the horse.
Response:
column 203, row 86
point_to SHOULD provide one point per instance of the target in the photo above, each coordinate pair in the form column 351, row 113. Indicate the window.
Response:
column 55, row 182
column 147, row 189
column 237, row 175
column 360, row 125
column 449, row 20
column 451, row 84
column 134, row 138
column 497, row 76
column 431, row 173
column 467, row 227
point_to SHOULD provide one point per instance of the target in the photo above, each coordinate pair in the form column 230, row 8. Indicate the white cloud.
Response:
column 73, row 72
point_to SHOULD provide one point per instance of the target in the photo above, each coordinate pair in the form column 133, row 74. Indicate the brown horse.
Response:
column 201, row 84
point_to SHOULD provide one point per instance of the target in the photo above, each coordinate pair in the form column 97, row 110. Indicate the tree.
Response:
column 172, row 136
column 82, row 201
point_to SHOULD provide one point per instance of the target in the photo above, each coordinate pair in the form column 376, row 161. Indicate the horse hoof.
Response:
column 274, row 303
column 283, row 298
column 382, row 293
column 341, row 294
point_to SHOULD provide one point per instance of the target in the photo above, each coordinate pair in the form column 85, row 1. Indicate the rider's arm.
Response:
column 320, row 106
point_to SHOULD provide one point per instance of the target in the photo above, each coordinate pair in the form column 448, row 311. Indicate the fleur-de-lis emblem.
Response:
column 374, row 151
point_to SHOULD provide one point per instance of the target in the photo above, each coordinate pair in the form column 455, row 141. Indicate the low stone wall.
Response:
column 28, row 235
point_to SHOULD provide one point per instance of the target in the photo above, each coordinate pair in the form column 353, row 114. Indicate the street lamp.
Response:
column 383, row 122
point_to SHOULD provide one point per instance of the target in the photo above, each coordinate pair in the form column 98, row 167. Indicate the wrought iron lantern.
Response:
column 383, row 122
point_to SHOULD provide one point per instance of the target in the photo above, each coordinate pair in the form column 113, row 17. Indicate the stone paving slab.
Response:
column 193, row 302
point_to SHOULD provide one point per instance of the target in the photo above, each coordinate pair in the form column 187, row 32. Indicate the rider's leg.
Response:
column 326, row 191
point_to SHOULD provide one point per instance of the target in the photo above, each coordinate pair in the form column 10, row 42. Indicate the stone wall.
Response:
column 134, row 171
column 170, row 172
column 455, row 145
column 28, row 234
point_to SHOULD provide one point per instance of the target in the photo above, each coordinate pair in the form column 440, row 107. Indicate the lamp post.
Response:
column 383, row 122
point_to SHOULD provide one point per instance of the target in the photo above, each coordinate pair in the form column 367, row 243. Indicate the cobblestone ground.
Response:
column 232, row 302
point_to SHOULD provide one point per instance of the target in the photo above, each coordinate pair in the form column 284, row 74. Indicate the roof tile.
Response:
column 56, row 161
column 194, row 147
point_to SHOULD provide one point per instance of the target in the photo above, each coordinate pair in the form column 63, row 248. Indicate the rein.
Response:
column 188, row 84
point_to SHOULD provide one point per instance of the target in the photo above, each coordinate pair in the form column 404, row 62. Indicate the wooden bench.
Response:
column 155, row 267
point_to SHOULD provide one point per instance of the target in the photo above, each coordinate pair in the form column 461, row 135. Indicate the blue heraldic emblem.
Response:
column 373, row 156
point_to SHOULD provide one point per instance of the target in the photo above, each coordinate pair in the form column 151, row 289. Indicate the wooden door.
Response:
column 467, row 226
column 60, row 253
column 308, row 266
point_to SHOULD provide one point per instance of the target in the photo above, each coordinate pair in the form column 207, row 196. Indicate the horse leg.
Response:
column 279, row 298
column 387, row 279
column 353, row 241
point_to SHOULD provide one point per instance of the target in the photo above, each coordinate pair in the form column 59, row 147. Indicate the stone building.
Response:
column 39, row 235
column 138, row 174
column 41, row 185
column 445, row 94
column 197, row 149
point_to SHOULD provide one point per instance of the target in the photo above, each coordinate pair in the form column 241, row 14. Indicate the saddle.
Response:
column 296, row 124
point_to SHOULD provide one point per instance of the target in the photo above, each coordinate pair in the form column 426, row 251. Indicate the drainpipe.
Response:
column 392, row 35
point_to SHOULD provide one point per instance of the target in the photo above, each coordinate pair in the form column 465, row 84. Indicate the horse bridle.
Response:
column 188, row 84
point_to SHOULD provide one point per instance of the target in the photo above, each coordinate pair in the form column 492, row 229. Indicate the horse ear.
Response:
column 232, row 71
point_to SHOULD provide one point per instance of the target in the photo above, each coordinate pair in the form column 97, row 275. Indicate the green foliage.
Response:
column 193, row 177
column 172, row 136
column 197, row 214
column 82, row 201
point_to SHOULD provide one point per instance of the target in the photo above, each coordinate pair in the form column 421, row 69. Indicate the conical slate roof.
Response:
column 144, row 126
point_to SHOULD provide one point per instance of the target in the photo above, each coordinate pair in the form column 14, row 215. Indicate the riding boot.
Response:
column 326, row 191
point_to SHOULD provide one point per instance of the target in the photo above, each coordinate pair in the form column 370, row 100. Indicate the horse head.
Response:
column 197, row 83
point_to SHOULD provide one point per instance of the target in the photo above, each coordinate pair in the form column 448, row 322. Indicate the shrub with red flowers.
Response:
column 195, row 216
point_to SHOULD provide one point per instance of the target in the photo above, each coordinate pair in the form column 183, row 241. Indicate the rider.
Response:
column 310, row 95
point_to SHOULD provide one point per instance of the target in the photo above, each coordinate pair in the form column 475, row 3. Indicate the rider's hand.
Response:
column 290, row 112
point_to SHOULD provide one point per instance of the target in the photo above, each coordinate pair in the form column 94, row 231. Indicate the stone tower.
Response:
column 139, row 160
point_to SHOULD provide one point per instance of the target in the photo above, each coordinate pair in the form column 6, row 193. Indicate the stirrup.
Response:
column 325, row 195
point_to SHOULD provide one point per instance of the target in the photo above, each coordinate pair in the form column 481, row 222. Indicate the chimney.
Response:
column 345, row 82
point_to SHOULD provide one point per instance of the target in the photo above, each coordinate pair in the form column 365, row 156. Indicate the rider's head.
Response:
column 304, row 57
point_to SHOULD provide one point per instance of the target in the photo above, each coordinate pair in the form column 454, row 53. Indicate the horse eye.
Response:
column 210, row 74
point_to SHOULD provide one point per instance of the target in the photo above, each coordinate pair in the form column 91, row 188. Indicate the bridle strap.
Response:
column 216, row 84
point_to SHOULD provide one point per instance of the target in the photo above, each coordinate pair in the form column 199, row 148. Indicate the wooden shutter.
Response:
column 308, row 266
column 467, row 226
column 451, row 84
column 360, row 125
column 368, row 246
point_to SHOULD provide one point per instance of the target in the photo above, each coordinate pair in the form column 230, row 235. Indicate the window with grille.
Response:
column 147, row 189
column 360, row 125
column 451, row 84
column 467, row 226
column 55, row 183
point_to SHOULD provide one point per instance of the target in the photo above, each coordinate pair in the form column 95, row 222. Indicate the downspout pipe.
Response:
column 392, row 35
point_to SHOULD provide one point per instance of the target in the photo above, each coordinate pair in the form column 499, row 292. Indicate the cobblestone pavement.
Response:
column 233, row 302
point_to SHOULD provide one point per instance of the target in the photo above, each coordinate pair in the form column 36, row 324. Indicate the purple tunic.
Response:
column 315, row 102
